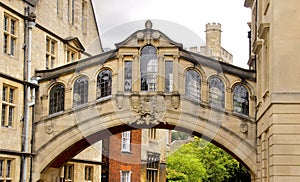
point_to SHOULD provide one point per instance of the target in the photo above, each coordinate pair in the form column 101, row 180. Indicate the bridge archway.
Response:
column 92, row 128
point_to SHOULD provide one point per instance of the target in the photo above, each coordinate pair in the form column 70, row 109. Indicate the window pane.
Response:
column 3, row 115
column 1, row 167
column 80, row 94
column 193, row 84
column 4, row 93
column 12, row 46
column 10, row 116
column 11, row 95
column 56, row 99
column 5, row 23
column 126, row 141
column 8, row 168
column 128, row 76
column 5, row 44
column 241, row 100
column 47, row 45
column 52, row 47
column 169, row 76
column 216, row 93
column 148, row 68
column 12, row 27
column 104, row 83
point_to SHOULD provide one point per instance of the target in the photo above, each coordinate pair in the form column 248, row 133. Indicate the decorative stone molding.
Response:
column 149, row 109
column 119, row 99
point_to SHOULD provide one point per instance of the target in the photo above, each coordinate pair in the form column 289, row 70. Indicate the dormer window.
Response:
column 73, row 49
column 148, row 68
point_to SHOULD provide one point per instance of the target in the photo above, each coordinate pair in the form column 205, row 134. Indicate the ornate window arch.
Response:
column 216, row 93
column 148, row 68
column 241, row 99
column 104, row 83
column 80, row 91
column 193, row 84
column 57, row 99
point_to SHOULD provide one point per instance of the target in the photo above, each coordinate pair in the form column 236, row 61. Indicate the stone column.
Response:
column 160, row 74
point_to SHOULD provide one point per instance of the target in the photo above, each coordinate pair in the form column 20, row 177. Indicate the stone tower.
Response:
column 213, row 46
column 213, row 38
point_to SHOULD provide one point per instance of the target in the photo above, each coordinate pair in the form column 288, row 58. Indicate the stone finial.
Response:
column 148, row 24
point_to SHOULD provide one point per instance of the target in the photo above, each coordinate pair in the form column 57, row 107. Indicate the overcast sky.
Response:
column 118, row 19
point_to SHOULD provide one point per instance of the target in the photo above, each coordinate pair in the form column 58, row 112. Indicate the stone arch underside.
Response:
column 67, row 144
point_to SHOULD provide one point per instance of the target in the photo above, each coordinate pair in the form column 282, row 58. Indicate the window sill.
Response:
column 126, row 151
column 55, row 114
column 102, row 99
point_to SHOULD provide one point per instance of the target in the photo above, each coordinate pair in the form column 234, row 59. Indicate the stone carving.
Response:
column 150, row 110
column 244, row 127
column 175, row 100
column 49, row 128
column 140, row 35
column 156, row 35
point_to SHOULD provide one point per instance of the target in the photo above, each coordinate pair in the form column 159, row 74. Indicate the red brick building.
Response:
column 133, row 156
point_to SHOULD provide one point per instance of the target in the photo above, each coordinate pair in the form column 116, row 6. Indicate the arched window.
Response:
column 240, row 99
column 80, row 91
column 148, row 68
column 57, row 99
column 192, row 84
column 104, row 84
column 216, row 93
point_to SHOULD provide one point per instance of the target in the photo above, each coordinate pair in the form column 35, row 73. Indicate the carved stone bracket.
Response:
column 119, row 99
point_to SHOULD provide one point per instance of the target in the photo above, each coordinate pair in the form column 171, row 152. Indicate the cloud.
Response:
column 193, row 14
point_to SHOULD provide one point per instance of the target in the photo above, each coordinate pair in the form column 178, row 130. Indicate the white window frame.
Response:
column 125, row 147
column 127, row 177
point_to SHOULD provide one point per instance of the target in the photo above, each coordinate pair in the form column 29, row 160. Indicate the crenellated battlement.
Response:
column 213, row 26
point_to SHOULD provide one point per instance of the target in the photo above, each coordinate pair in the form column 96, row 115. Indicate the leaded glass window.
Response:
column 8, row 106
column 104, row 84
column 128, row 76
column 240, row 99
column 80, row 92
column 192, row 84
column 148, row 68
column 57, row 99
column 216, row 93
column 152, row 166
column 168, row 76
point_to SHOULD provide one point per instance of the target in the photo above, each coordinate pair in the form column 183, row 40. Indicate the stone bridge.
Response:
column 147, row 81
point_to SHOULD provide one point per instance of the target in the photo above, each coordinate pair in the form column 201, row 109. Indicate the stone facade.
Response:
column 166, row 87
column 275, row 42
column 37, row 34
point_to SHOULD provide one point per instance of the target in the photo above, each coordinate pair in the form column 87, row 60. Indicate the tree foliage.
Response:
column 201, row 161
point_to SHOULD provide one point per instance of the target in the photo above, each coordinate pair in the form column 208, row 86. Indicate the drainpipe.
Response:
column 28, row 94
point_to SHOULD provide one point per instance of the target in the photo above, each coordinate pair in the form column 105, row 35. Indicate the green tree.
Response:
column 183, row 165
column 200, row 160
